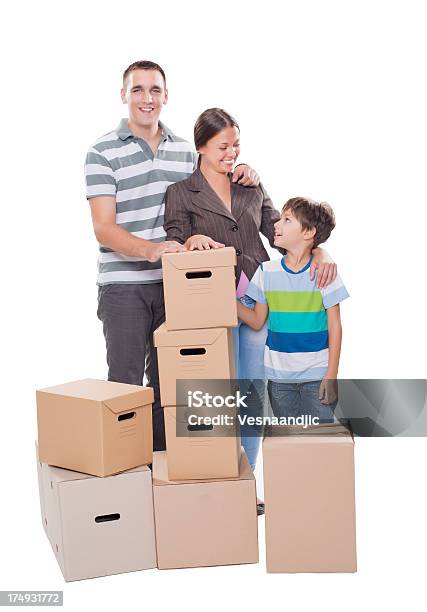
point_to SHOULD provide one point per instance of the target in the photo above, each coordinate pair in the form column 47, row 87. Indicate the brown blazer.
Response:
column 193, row 207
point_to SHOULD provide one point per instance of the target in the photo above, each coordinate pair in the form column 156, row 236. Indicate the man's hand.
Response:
column 200, row 242
column 328, row 391
column 157, row 249
column 245, row 175
column 325, row 266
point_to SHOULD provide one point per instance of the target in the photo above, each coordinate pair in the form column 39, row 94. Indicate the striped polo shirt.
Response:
column 122, row 165
column 297, row 337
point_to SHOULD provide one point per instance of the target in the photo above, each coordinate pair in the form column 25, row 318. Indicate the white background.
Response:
column 331, row 101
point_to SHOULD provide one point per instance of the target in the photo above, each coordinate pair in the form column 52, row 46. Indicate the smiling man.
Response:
column 127, row 173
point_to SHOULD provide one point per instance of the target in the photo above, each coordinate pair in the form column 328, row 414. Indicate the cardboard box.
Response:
column 99, row 526
column 94, row 426
column 192, row 354
column 200, row 288
column 310, row 523
column 204, row 523
column 200, row 455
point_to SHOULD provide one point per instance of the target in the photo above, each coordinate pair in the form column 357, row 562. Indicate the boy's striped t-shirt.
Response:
column 297, row 339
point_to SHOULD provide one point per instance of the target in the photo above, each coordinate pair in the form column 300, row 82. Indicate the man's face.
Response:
column 144, row 92
column 222, row 150
column 288, row 232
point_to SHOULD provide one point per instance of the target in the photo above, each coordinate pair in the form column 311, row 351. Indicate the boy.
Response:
column 304, row 328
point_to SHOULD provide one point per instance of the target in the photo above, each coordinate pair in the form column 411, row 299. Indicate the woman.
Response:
column 208, row 211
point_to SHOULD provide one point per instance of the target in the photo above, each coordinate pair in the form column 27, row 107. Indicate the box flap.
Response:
column 187, row 337
column 160, row 471
column 201, row 260
column 92, row 389
column 58, row 475
column 130, row 401
column 327, row 432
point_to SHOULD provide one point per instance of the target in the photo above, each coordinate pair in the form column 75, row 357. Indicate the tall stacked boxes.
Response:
column 202, row 472
column 196, row 343
column 95, row 439
column 310, row 523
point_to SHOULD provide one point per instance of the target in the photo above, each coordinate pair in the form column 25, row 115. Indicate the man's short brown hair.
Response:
column 143, row 65
column 312, row 214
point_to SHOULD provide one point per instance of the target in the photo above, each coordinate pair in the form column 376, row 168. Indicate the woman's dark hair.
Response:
column 311, row 214
column 210, row 123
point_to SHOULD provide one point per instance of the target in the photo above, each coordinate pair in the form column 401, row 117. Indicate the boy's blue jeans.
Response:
column 298, row 398
column 249, row 357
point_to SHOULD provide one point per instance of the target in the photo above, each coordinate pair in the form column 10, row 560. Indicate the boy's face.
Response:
column 288, row 232
column 145, row 94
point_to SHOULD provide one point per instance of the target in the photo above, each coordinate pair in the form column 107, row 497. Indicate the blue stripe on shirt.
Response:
column 297, row 343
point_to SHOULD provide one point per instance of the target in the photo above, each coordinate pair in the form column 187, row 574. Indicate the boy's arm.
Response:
column 328, row 391
column 254, row 318
column 335, row 336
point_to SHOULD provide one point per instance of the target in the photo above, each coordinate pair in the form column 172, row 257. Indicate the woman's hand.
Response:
column 325, row 266
column 200, row 242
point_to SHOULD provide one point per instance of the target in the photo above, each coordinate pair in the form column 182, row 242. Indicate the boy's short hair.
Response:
column 312, row 214
column 143, row 65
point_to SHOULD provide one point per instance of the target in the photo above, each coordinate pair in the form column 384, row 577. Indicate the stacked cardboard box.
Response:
column 95, row 439
column 196, row 343
column 201, row 472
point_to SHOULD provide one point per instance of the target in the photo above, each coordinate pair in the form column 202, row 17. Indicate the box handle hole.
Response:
column 125, row 417
column 192, row 351
column 104, row 518
column 205, row 274
column 200, row 427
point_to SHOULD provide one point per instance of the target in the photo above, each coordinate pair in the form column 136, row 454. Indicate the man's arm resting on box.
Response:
column 111, row 235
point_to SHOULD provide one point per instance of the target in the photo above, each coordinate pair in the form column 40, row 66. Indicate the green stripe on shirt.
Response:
column 300, row 301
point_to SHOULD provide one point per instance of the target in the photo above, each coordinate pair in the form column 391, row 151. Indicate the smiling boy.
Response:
column 303, row 344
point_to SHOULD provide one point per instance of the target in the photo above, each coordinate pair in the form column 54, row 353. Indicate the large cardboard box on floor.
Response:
column 213, row 453
column 200, row 288
column 94, row 426
column 310, row 522
column 204, row 523
column 192, row 354
column 99, row 526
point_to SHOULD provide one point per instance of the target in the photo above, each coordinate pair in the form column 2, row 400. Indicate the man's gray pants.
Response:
column 130, row 313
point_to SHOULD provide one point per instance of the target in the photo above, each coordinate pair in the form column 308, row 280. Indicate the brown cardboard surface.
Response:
column 200, row 457
column 216, row 363
column 86, row 548
column 81, row 427
column 310, row 522
column 204, row 523
column 192, row 303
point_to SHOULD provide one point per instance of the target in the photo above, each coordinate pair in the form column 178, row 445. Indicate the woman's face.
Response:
column 222, row 150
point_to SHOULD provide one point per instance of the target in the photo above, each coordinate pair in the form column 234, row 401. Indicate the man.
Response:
column 127, row 173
